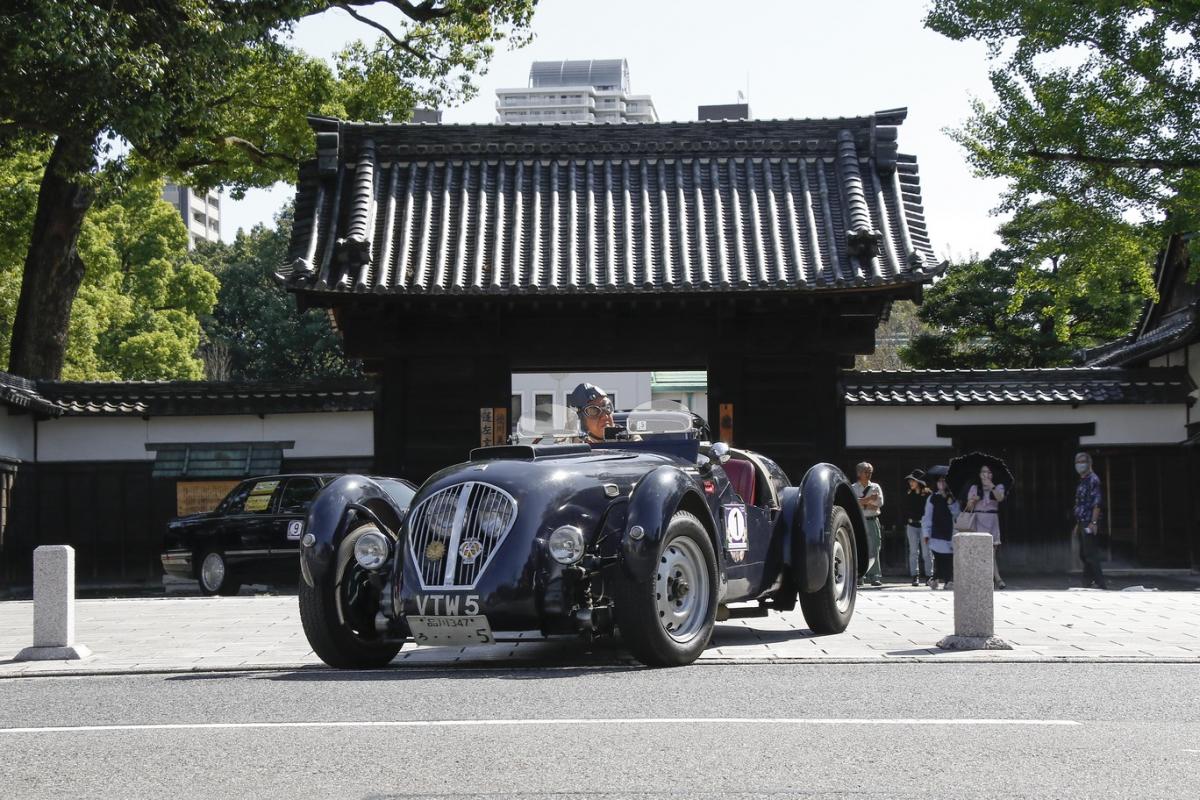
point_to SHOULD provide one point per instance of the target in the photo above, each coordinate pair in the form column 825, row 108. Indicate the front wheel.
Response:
column 829, row 609
column 667, row 617
column 338, row 614
column 215, row 576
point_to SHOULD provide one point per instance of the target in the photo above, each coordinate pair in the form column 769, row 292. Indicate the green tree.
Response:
column 898, row 331
column 1097, row 109
column 137, row 314
column 1049, row 292
column 255, row 332
column 207, row 92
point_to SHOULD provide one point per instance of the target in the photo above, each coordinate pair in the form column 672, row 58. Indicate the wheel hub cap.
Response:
column 681, row 589
column 212, row 571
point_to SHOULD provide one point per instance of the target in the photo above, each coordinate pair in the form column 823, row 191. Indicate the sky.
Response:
column 792, row 59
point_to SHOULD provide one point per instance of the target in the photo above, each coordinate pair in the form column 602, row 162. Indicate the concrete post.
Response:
column 974, row 614
column 53, row 607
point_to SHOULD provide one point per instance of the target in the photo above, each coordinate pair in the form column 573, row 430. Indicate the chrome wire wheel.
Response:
column 843, row 571
column 681, row 587
column 212, row 571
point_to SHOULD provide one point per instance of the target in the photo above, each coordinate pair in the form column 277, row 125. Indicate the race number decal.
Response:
column 295, row 528
column 736, row 540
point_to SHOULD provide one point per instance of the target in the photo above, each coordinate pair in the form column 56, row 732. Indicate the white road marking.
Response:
column 485, row 723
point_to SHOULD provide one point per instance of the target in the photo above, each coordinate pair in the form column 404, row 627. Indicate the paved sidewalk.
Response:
column 243, row 633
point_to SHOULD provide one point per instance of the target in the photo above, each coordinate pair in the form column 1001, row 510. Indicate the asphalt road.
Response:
column 887, row 730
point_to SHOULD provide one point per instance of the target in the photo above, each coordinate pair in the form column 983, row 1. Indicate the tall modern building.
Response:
column 201, row 212
column 576, row 91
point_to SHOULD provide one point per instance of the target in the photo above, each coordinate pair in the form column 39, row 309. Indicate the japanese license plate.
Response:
column 437, row 631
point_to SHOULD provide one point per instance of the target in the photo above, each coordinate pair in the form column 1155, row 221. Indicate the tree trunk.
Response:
column 53, row 269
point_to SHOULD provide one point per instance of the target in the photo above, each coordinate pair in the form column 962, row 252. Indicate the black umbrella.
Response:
column 964, row 471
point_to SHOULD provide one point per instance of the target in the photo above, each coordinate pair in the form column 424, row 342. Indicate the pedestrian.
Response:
column 1087, row 521
column 870, row 500
column 937, row 528
column 984, row 499
column 920, row 562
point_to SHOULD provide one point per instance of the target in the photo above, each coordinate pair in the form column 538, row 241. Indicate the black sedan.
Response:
column 253, row 535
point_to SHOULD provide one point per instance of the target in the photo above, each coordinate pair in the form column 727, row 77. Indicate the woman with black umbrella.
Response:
column 983, row 500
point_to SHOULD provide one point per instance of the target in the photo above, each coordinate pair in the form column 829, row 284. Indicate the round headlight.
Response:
column 439, row 516
column 566, row 544
column 371, row 549
column 493, row 522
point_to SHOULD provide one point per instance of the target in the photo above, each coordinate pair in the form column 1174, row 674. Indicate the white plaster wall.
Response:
column 917, row 426
column 631, row 388
column 1184, row 357
column 16, row 435
column 329, row 434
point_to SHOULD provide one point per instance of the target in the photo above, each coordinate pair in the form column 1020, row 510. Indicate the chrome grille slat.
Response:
column 474, row 505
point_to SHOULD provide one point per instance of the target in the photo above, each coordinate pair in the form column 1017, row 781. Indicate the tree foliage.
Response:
column 1047, row 293
column 1098, row 111
column 255, row 332
column 137, row 314
column 207, row 92
column 1097, row 100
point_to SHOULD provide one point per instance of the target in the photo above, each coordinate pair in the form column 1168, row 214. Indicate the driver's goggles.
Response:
column 598, row 411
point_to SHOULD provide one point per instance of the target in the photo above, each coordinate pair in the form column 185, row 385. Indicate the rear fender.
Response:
column 807, row 512
column 332, row 514
column 657, row 497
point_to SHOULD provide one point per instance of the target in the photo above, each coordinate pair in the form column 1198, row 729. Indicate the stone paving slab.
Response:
column 250, row 633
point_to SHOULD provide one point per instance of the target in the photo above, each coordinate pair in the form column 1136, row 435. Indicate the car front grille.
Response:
column 453, row 533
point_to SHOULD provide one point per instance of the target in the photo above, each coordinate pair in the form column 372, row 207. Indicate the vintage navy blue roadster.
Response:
column 651, row 537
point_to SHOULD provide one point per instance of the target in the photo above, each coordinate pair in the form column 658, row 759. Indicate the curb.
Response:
column 541, row 665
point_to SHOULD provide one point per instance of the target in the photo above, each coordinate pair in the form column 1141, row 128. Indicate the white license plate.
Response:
column 437, row 631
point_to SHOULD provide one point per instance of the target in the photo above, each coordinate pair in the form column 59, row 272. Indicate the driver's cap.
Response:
column 584, row 393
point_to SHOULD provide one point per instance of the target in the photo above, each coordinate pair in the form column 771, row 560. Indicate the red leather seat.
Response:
column 741, row 475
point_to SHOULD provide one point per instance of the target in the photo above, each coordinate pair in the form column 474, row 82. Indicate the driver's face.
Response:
column 603, row 417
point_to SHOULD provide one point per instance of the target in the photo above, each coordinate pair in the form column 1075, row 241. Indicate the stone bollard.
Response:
column 974, row 615
column 53, row 607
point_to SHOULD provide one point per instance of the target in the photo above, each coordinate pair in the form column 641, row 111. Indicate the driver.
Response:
column 595, row 411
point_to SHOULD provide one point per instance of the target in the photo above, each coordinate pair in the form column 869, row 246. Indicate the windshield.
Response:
column 557, row 423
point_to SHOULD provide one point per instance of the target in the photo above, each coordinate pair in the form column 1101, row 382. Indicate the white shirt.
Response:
column 860, row 491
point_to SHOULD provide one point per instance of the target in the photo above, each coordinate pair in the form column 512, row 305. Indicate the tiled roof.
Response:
column 175, row 398
column 753, row 205
column 1175, row 330
column 22, row 393
column 1070, row 385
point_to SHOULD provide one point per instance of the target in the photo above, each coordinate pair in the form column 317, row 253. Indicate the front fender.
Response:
column 655, row 499
column 330, row 518
column 823, row 487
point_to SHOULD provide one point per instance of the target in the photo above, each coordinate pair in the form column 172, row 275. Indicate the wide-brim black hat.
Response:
column 917, row 475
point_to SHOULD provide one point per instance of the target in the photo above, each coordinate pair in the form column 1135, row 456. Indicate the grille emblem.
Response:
column 470, row 550
column 435, row 550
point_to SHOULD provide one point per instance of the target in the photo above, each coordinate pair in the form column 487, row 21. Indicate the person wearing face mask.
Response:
column 937, row 528
column 1088, row 499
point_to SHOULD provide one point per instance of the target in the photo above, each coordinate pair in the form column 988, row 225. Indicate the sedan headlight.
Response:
column 566, row 544
column 371, row 549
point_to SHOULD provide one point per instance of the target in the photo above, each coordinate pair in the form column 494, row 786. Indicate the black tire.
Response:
column 641, row 607
column 829, row 609
column 340, row 630
column 214, row 574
